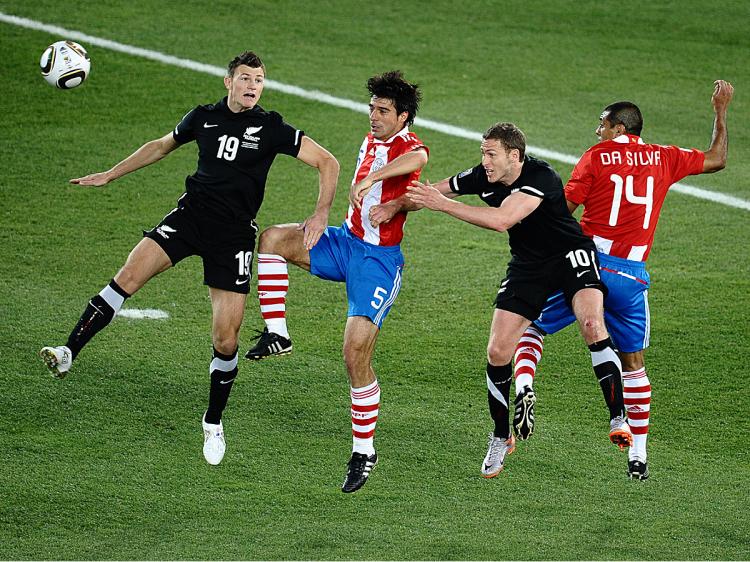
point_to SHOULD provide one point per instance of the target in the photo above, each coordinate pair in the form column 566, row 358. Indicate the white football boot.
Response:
column 58, row 360
column 498, row 449
column 214, row 445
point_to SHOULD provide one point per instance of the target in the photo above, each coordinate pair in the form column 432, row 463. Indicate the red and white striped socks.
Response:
column 527, row 357
column 273, row 284
column 637, row 395
column 365, row 406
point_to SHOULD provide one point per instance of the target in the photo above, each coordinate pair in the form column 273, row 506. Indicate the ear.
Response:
column 514, row 155
column 402, row 117
column 227, row 82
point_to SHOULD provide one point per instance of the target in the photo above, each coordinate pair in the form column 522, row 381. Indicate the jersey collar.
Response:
column 402, row 133
column 627, row 139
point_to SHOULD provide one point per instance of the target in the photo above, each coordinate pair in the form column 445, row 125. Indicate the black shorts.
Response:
column 526, row 287
column 225, row 247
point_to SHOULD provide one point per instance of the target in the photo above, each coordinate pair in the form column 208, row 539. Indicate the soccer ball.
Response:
column 65, row 64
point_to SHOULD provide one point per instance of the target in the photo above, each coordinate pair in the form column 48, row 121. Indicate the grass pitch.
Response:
column 107, row 464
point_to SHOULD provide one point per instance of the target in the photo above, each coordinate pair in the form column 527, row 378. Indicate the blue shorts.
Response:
column 372, row 273
column 626, row 309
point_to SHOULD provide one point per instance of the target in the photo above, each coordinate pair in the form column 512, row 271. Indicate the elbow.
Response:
column 714, row 164
column 331, row 164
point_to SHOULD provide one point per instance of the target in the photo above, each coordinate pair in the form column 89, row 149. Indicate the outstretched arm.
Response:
column 312, row 154
column 404, row 164
column 151, row 152
column 513, row 209
column 716, row 155
column 385, row 212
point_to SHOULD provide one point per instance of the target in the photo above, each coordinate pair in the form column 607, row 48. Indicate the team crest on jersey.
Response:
column 379, row 163
column 250, row 131
column 465, row 173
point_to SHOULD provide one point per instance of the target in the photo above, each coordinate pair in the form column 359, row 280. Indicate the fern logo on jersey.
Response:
column 250, row 131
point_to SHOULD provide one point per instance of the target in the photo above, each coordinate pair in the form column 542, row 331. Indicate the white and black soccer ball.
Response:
column 65, row 64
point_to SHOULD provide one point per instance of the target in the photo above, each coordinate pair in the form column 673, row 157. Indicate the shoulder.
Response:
column 271, row 117
column 539, row 171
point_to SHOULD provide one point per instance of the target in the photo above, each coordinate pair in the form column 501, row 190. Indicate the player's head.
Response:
column 503, row 150
column 244, row 81
column 394, row 103
column 622, row 117
column 248, row 58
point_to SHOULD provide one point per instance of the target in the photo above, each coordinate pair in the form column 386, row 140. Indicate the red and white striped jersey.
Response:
column 622, row 184
column 373, row 155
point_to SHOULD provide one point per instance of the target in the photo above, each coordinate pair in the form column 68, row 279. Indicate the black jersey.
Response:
column 235, row 152
column 550, row 230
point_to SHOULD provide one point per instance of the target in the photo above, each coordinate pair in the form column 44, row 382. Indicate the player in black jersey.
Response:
column 214, row 219
column 549, row 252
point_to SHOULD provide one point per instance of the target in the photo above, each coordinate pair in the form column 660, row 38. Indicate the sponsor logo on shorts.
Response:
column 164, row 231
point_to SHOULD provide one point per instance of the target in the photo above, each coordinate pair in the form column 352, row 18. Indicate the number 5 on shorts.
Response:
column 378, row 295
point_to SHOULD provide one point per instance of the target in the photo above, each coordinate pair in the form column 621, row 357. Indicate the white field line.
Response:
column 322, row 97
column 143, row 313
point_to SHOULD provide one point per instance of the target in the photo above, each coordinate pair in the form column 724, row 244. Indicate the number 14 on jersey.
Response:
column 630, row 196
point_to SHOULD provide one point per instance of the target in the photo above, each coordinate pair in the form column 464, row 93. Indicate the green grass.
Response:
column 107, row 464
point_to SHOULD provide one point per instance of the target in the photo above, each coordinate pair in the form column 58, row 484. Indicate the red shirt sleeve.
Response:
column 683, row 162
column 581, row 180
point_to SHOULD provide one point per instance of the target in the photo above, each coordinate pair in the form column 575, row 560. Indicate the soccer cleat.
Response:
column 58, row 360
column 214, row 444
column 619, row 432
column 637, row 470
column 269, row 344
column 495, row 458
column 360, row 466
column 523, row 417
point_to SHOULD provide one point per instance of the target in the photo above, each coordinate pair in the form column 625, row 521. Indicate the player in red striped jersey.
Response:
column 364, row 252
column 622, row 183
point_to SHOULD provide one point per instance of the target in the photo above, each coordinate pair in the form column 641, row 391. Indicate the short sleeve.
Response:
column 683, row 162
column 184, row 131
column 469, row 181
column 287, row 139
column 580, row 182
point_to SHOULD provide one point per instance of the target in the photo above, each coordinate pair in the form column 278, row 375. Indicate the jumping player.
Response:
column 214, row 219
column 622, row 183
column 364, row 253
column 549, row 254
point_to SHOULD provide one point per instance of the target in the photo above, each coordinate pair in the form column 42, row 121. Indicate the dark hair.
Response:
column 247, row 58
column 510, row 136
column 405, row 95
column 627, row 114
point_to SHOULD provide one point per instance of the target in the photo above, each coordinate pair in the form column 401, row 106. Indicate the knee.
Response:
column 127, row 279
column 593, row 329
column 354, row 356
column 499, row 353
column 270, row 240
column 225, row 342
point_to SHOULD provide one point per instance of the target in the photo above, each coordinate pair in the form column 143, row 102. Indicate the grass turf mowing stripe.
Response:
column 322, row 97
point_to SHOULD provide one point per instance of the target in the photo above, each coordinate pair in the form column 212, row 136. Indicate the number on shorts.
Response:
column 580, row 258
column 244, row 259
column 378, row 294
